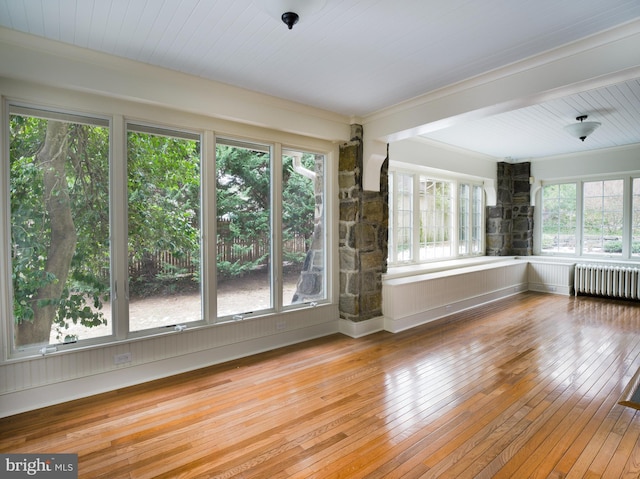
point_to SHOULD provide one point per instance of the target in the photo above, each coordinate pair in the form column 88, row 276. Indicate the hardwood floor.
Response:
column 524, row 387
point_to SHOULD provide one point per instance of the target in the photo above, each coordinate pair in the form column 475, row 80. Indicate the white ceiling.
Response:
column 356, row 57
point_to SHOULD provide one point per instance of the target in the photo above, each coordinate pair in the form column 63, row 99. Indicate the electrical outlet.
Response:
column 280, row 325
column 122, row 358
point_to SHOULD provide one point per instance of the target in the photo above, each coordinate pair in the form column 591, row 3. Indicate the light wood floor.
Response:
column 525, row 387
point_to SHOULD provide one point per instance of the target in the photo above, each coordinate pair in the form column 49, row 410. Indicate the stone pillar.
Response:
column 363, row 229
column 510, row 222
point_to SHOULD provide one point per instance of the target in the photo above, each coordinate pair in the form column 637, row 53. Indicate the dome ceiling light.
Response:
column 583, row 129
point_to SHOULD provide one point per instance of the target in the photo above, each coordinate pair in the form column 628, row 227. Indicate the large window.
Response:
column 591, row 218
column 432, row 219
column 60, row 250
column 303, row 228
column 602, row 217
column 163, row 176
column 435, row 204
column 559, row 227
column 108, row 231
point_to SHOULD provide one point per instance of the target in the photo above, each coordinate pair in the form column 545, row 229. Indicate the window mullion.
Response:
column 119, row 257
column 455, row 223
column 209, row 227
column 627, row 216
column 416, row 219
column 276, row 227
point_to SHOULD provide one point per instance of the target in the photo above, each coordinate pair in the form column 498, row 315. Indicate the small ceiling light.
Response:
column 583, row 129
column 290, row 18
column 290, row 12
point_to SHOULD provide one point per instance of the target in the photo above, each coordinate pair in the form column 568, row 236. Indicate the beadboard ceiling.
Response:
column 357, row 57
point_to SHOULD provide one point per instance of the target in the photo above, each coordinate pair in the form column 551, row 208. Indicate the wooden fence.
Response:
column 232, row 250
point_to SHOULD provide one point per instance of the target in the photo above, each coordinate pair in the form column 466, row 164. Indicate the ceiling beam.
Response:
column 602, row 59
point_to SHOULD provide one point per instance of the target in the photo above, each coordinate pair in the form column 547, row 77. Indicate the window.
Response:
column 243, row 201
column 60, row 250
column 303, row 228
column 591, row 218
column 400, row 217
column 449, row 216
column 602, row 217
column 436, row 218
column 163, row 175
column 470, row 225
column 107, row 246
column 559, row 227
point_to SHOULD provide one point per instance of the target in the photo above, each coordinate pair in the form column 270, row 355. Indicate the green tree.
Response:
column 164, row 204
column 57, row 195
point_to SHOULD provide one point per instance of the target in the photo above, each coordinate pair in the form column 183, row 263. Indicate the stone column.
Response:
column 510, row 222
column 363, row 229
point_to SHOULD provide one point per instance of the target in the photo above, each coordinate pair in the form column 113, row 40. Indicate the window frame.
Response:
column 454, row 227
column 627, row 218
column 117, row 124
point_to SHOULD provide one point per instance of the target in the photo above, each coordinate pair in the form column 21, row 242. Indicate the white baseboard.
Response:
column 550, row 288
column 358, row 329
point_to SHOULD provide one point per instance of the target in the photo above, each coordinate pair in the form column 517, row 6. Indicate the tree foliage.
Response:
column 58, row 194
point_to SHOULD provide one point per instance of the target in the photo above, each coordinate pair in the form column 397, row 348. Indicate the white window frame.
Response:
column 455, row 181
column 626, row 254
column 118, row 122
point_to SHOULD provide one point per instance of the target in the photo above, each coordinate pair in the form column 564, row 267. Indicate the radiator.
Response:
column 607, row 280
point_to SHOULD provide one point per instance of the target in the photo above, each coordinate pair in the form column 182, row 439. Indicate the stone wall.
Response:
column 510, row 222
column 363, row 234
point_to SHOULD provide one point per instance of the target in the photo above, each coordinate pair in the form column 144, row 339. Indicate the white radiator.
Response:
column 607, row 280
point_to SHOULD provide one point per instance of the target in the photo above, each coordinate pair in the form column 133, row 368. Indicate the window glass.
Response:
column 243, row 201
column 436, row 219
column 163, row 170
column 477, row 223
column 602, row 217
column 464, row 225
column 635, row 235
column 403, row 214
column 450, row 216
column 303, row 228
column 59, row 202
column 559, row 225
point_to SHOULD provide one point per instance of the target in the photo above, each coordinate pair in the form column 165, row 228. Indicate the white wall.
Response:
column 624, row 159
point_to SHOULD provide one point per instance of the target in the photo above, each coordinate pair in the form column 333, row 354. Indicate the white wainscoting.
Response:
column 548, row 276
column 411, row 301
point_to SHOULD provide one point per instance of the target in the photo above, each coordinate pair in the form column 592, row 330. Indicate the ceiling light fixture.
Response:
column 583, row 129
column 290, row 18
column 290, row 12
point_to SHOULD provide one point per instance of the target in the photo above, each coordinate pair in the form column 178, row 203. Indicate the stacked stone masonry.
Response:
column 510, row 222
column 363, row 229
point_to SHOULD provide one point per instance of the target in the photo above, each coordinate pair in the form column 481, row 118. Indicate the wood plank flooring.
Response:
column 523, row 387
